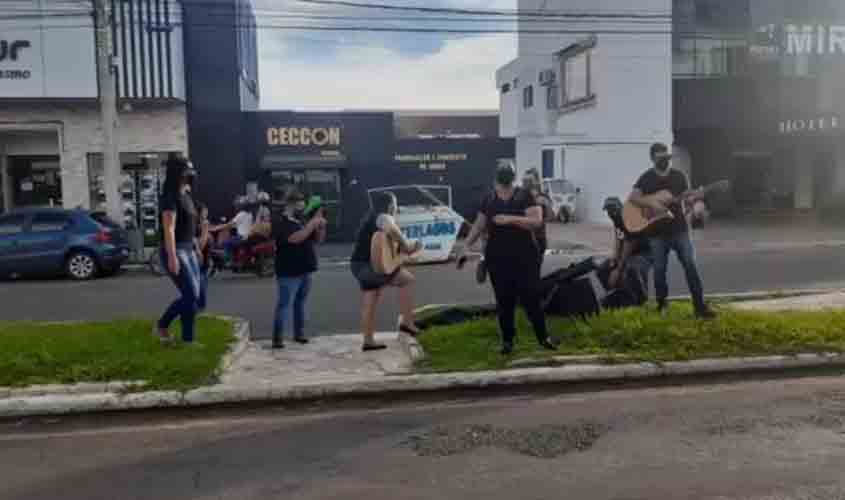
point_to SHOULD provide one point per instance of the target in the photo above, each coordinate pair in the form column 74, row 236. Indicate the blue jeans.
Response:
column 202, row 300
column 189, row 283
column 637, row 270
column 291, row 289
column 682, row 245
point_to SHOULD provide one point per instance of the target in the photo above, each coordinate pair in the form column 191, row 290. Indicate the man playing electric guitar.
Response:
column 674, row 235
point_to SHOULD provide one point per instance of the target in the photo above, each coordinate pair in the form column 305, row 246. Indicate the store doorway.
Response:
column 325, row 183
column 36, row 181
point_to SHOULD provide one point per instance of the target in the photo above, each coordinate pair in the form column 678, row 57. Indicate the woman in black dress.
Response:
column 372, row 283
column 510, row 216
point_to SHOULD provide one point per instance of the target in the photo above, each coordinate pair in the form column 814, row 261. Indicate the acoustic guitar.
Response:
column 640, row 220
column 386, row 255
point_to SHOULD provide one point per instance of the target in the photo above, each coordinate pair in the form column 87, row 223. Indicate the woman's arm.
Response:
column 532, row 220
column 305, row 233
column 388, row 225
column 169, row 221
column 477, row 230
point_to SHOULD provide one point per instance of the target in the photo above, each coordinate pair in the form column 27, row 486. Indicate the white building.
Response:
column 586, row 102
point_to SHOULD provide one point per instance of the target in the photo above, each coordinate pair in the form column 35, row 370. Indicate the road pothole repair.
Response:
column 549, row 441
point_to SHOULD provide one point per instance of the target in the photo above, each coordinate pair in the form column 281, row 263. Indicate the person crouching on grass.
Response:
column 296, row 260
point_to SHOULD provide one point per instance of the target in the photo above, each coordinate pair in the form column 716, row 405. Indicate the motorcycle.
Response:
column 258, row 258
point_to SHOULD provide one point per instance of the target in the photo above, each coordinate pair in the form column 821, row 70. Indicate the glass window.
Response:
column 576, row 74
column 147, row 192
column 710, row 57
column 552, row 93
column 528, row 97
column 576, row 70
column 11, row 224
column 548, row 163
column 43, row 223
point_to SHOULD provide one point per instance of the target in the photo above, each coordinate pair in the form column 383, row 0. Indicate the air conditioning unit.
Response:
column 547, row 77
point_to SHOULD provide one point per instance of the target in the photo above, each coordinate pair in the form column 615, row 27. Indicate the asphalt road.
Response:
column 775, row 440
column 335, row 298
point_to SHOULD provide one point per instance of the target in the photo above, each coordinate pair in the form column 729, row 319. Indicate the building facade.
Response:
column 50, row 132
column 759, row 97
column 586, row 98
column 749, row 91
column 340, row 156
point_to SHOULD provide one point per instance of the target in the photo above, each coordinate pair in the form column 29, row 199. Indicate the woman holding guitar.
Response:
column 379, row 238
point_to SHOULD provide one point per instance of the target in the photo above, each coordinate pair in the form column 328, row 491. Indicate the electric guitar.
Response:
column 640, row 220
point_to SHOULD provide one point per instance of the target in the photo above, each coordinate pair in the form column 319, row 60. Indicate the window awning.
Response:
column 281, row 161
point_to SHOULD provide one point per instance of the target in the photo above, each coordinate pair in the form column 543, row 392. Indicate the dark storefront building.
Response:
column 340, row 156
column 759, row 99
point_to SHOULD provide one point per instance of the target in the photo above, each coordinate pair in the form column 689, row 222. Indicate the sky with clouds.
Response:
column 302, row 69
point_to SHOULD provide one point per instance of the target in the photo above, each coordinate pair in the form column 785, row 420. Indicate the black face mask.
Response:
column 662, row 164
column 505, row 178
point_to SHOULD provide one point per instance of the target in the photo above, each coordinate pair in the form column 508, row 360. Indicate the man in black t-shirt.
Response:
column 296, row 261
column 674, row 235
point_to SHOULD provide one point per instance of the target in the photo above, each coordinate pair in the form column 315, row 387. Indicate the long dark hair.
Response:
column 176, row 168
column 381, row 204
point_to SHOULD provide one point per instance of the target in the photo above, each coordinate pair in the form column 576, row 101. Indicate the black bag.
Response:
column 569, row 292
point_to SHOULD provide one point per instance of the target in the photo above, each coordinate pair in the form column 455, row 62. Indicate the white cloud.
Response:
column 461, row 75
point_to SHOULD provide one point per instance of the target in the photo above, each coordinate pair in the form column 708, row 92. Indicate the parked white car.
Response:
column 564, row 196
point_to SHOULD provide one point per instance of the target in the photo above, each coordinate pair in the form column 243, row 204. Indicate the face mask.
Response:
column 505, row 178
column 662, row 164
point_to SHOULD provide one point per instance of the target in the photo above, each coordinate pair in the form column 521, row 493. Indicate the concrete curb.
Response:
column 215, row 395
column 412, row 347
column 243, row 333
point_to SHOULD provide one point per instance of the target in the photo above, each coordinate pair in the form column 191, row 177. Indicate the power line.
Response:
column 362, row 5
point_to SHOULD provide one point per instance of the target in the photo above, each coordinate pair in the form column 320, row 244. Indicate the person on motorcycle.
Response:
column 242, row 223
column 263, row 214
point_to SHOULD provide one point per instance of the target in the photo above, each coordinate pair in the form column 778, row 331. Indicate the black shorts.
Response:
column 368, row 278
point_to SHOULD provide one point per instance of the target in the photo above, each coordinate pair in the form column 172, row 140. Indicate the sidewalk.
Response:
column 335, row 367
column 719, row 235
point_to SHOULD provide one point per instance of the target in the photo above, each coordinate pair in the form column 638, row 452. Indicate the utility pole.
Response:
column 108, row 111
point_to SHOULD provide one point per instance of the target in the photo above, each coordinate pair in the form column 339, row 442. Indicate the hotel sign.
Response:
column 304, row 136
column 805, row 126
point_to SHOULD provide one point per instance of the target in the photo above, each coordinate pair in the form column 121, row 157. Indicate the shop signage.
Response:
column 796, row 40
column 11, row 49
column 434, row 229
column 47, row 61
column 431, row 161
column 304, row 136
column 813, row 125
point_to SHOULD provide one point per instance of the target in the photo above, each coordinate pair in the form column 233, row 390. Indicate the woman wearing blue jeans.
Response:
column 178, row 248
column 296, row 260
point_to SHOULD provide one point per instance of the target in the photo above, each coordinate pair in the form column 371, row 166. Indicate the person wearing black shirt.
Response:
column 673, row 236
column 296, row 261
column 178, row 247
column 381, row 219
column 631, row 262
column 511, row 217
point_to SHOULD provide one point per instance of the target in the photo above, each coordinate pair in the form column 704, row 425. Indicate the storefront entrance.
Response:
column 325, row 183
column 35, row 181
